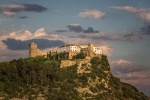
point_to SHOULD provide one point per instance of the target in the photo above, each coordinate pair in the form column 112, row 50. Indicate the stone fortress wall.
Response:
column 34, row 51
column 66, row 63
column 89, row 50
column 73, row 49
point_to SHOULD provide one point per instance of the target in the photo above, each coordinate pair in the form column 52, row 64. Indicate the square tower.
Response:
column 32, row 49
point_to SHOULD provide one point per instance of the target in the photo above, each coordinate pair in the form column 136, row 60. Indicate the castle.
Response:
column 71, row 50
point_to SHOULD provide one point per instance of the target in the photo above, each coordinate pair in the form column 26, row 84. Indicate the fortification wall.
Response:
column 71, row 54
column 34, row 51
column 67, row 63
column 38, row 52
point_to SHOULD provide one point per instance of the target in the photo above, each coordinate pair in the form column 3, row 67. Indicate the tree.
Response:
column 81, row 55
column 95, row 61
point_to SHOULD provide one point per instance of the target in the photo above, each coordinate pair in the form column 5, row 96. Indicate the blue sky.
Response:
column 120, row 28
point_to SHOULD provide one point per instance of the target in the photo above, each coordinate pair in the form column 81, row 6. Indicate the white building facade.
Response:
column 78, row 48
column 68, row 48
column 98, row 50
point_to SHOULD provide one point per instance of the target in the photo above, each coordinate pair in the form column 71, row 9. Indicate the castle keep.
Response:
column 34, row 51
column 71, row 50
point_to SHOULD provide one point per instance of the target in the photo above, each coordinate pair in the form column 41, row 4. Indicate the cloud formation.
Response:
column 107, row 50
column 25, row 34
column 20, row 40
column 78, row 28
column 14, row 45
column 114, row 37
column 94, row 14
column 90, row 30
column 131, row 73
column 13, row 9
column 143, row 14
column 23, row 45
column 124, row 66
column 75, row 28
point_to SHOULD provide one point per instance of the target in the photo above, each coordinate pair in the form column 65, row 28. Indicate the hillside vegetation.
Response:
column 40, row 78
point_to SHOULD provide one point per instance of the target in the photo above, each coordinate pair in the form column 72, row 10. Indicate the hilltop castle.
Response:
column 70, row 50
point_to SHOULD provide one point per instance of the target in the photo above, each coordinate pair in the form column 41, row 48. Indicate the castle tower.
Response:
column 32, row 49
column 90, row 50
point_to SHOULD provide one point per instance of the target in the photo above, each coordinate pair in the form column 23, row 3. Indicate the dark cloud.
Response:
column 23, row 17
column 34, row 8
column 14, row 44
column 90, row 30
column 12, row 10
column 78, row 28
column 145, row 30
column 75, row 28
column 104, row 36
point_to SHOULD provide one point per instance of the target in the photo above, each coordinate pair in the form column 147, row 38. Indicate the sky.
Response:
column 120, row 27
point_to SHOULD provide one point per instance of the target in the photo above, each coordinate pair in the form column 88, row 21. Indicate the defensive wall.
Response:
column 71, row 50
column 34, row 51
column 67, row 63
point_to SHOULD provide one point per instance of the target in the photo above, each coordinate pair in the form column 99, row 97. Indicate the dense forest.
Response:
column 35, row 78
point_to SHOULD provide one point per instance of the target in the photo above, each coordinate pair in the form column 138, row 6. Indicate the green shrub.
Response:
column 95, row 61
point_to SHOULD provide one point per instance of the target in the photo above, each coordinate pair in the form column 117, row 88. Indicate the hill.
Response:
column 43, row 79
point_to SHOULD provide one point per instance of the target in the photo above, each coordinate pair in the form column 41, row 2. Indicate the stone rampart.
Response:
column 67, row 63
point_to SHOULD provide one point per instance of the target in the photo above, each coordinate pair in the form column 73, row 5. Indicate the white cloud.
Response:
column 8, row 13
column 107, row 50
column 124, row 66
column 121, row 62
column 13, row 6
column 20, row 35
column 126, row 8
column 74, row 24
column 143, row 14
column 5, row 9
column 25, row 34
column 40, row 32
column 95, row 14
